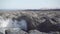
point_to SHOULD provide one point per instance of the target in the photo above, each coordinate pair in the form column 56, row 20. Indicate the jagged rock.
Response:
column 35, row 20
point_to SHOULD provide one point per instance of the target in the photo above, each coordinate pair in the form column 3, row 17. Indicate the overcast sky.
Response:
column 29, row 4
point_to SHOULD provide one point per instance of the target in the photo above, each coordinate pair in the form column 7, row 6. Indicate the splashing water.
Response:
column 9, row 23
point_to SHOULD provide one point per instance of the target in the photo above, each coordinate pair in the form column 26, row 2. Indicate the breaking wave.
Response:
column 9, row 23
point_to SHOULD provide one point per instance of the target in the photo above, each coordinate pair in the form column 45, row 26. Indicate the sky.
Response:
column 29, row 4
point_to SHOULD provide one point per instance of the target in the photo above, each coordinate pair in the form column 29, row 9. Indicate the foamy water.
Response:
column 9, row 23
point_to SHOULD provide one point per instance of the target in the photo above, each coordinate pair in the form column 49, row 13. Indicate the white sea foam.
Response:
column 6, row 24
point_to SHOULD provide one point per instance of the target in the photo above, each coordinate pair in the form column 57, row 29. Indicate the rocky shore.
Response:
column 38, row 22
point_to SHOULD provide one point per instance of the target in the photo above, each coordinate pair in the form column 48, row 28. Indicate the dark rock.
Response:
column 1, row 33
column 15, row 32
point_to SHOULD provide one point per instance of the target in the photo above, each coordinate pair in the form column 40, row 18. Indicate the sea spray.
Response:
column 6, row 24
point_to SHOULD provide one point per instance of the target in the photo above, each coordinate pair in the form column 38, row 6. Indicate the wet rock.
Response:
column 15, row 32
column 36, row 32
column 1, row 33
column 53, row 33
column 35, row 20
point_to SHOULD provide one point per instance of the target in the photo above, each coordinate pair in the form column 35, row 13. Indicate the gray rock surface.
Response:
column 36, row 32
column 15, row 32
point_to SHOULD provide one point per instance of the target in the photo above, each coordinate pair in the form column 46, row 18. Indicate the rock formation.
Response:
column 38, row 21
